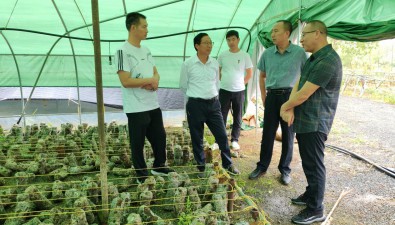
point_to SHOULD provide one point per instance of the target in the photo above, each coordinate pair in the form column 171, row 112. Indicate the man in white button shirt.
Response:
column 199, row 80
column 235, row 71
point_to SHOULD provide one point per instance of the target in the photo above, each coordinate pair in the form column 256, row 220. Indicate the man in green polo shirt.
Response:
column 311, row 109
column 280, row 67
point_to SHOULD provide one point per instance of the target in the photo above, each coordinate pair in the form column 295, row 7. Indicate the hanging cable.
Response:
column 109, row 54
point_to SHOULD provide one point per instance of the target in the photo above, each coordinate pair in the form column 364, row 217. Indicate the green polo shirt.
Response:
column 316, row 114
column 282, row 70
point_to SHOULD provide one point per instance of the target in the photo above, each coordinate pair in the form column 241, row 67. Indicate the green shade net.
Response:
column 72, row 60
column 70, row 63
column 363, row 20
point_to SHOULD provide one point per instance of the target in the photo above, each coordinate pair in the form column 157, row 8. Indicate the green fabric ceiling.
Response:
column 23, row 55
column 73, row 17
column 362, row 20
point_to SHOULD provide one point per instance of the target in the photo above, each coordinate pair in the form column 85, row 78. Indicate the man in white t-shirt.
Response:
column 140, row 79
column 235, row 71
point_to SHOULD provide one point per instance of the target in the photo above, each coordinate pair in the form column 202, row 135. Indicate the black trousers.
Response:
column 311, row 149
column 271, row 120
column 209, row 112
column 236, row 101
column 147, row 124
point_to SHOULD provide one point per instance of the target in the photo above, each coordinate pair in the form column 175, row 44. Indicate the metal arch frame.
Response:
column 117, row 17
column 75, row 63
column 230, row 22
column 19, row 77
column 44, row 63
column 257, row 20
column 189, row 23
column 68, row 33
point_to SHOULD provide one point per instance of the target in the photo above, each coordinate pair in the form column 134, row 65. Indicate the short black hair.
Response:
column 287, row 25
column 318, row 25
column 198, row 39
column 133, row 18
column 232, row 33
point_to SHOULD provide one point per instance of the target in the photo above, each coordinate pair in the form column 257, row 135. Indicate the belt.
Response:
column 279, row 91
column 210, row 100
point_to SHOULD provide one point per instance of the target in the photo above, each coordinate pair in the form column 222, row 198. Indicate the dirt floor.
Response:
column 363, row 126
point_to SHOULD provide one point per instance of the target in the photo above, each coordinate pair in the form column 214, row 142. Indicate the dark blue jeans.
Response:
column 236, row 101
column 271, row 120
column 311, row 149
column 209, row 112
column 147, row 124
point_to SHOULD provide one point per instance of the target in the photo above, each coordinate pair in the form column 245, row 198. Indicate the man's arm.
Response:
column 217, row 82
column 156, row 74
column 262, row 86
column 248, row 75
column 289, row 116
column 128, row 82
column 300, row 96
column 150, row 87
column 183, row 79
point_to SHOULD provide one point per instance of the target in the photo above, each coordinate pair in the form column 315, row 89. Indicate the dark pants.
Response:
column 271, row 120
column 209, row 112
column 236, row 100
column 147, row 124
column 311, row 149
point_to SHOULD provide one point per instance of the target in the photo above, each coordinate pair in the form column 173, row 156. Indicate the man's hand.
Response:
column 148, row 87
column 263, row 97
column 287, row 115
column 155, row 82
column 153, row 86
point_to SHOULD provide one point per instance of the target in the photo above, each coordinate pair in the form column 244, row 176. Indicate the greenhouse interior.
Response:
column 64, row 151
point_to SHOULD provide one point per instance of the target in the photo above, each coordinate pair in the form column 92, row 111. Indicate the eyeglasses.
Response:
column 207, row 43
column 308, row 32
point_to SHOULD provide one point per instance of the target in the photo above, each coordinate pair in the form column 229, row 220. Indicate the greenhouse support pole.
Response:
column 299, row 22
column 260, row 216
column 19, row 79
column 186, row 35
column 257, row 85
column 100, row 108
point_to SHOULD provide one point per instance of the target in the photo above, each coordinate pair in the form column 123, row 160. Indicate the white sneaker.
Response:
column 214, row 146
column 235, row 146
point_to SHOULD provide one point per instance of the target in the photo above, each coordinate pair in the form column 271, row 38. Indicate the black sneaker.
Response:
column 308, row 216
column 163, row 171
column 232, row 170
column 258, row 172
column 300, row 200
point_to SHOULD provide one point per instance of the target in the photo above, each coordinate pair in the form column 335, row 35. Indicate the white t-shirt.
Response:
column 233, row 67
column 140, row 63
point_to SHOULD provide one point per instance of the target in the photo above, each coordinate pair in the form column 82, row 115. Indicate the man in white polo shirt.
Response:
column 140, row 79
column 235, row 71
column 199, row 81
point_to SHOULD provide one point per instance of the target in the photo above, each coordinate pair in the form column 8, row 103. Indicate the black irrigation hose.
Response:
column 107, row 40
column 388, row 171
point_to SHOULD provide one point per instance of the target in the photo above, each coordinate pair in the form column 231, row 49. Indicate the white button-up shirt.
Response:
column 200, row 80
